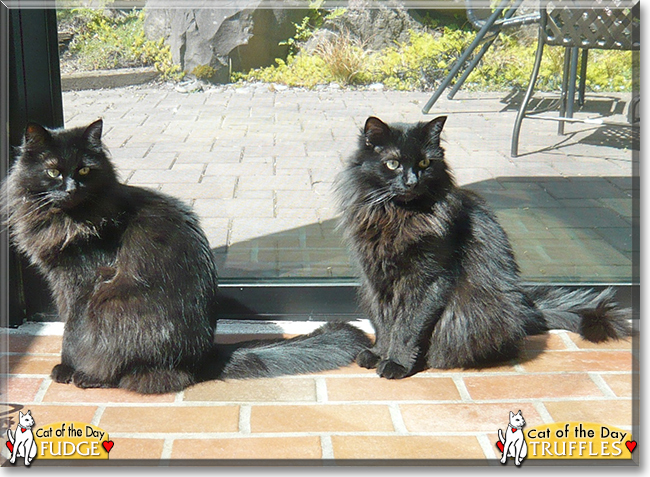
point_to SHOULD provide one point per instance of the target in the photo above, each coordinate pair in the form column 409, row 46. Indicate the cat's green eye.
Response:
column 84, row 171
column 392, row 164
column 424, row 163
column 54, row 173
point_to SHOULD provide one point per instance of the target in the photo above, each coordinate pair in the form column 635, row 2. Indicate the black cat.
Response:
column 133, row 276
column 439, row 279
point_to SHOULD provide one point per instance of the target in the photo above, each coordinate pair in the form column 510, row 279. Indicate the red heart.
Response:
column 631, row 445
column 23, row 429
column 514, row 429
column 108, row 445
column 500, row 446
column 10, row 446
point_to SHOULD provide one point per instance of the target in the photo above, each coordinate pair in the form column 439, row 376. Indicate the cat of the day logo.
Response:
column 563, row 440
column 60, row 440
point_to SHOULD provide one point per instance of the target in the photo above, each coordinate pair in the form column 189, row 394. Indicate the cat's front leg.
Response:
column 368, row 359
column 389, row 369
column 85, row 381
column 411, row 330
column 62, row 373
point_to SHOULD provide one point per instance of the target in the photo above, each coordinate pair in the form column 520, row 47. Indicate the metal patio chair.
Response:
column 488, row 31
column 576, row 24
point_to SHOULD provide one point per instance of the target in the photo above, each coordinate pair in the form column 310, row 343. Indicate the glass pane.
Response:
column 257, row 159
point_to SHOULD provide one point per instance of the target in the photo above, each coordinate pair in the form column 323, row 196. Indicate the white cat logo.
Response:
column 514, row 443
column 21, row 442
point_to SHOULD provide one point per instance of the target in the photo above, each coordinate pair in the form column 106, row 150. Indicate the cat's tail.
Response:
column 501, row 438
column 594, row 315
column 10, row 436
column 333, row 345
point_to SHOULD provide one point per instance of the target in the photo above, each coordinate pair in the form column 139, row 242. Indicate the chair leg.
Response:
column 568, row 98
column 470, row 68
column 583, row 77
column 463, row 58
column 563, row 91
column 514, row 146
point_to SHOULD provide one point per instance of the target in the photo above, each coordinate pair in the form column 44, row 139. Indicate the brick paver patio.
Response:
column 257, row 163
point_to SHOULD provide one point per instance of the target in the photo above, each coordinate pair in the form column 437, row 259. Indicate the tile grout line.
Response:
column 42, row 389
column 98, row 415
column 327, row 448
column 543, row 412
column 571, row 346
column 321, row 389
column 398, row 420
column 245, row 419
column 601, row 384
column 276, row 434
column 486, row 446
column 168, row 444
column 462, row 388
column 191, row 404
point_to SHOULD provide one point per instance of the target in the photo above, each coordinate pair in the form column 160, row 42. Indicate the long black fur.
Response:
column 439, row 280
column 133, row 276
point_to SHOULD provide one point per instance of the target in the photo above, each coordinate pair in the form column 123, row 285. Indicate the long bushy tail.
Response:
column 331, row 346
column 595, row 315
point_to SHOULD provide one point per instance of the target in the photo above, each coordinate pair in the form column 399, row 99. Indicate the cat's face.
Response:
column 517, row 420
column 63, row 168
column 404, row 164
column 26, row 420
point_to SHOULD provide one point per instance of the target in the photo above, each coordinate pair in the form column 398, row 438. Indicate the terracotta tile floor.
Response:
column 344, row 414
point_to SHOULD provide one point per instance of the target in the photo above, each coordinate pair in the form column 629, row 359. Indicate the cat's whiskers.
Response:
column 34, row 207
column 376, row 197
column 38, row 205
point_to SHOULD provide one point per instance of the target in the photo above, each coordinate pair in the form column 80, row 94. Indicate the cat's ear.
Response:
column 375, row 131
column 93, row 134
column 21, row 414
column 36, row 134
column 512, row 414
column 434, row 127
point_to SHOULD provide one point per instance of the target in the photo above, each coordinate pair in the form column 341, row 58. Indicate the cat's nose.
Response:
column 70, row 185
column 411, row 180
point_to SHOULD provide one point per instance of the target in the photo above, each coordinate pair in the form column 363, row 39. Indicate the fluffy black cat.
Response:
column 133, row 276
column 439, row 280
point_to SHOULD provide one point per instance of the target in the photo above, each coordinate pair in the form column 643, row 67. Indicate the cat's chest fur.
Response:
column 59, row 241
column 391, row 243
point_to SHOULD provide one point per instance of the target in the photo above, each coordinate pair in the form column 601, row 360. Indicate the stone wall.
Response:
column 232, row 38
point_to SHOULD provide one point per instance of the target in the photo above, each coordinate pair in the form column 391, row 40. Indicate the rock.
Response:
column 367, row 25
column 225, row 39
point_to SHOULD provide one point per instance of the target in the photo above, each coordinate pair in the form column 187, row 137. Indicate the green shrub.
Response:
column 204, row 72
column 103, row 42
column 423, row 61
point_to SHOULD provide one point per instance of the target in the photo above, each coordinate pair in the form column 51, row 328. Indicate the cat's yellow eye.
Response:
column 424, row 163
column 54, row 173
column 84, row 171
column 392, row 164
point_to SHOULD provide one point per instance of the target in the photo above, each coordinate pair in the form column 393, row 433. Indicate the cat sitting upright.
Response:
column 21, row 442
column 514, row 442
column 439, row 280
column 133, row 276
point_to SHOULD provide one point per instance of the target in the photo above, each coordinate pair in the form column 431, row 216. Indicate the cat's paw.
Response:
column 391, row 370
column 62, row 373
column 367, row 359
column 82, row 380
